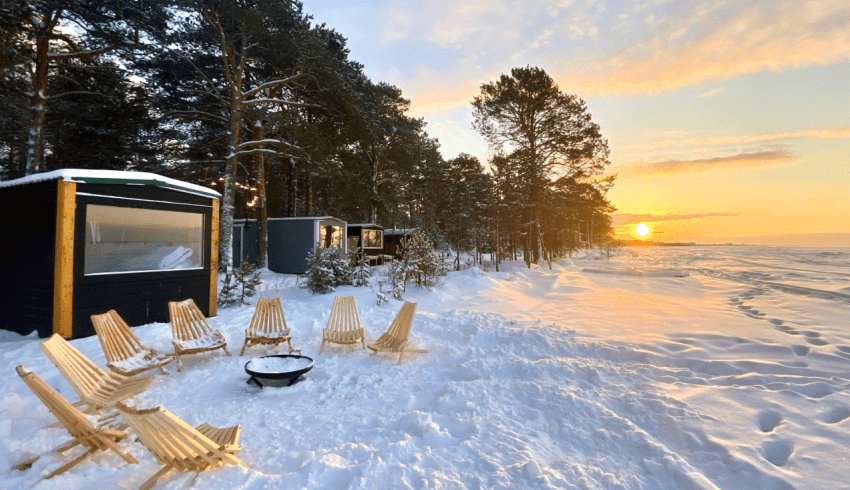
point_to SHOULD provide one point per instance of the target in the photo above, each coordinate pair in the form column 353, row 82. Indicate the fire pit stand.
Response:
column 278, row 370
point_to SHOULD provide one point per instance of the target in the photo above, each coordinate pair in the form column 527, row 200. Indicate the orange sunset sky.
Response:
column 726, row 120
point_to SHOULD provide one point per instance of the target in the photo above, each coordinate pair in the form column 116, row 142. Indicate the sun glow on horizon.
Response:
column 642, row 230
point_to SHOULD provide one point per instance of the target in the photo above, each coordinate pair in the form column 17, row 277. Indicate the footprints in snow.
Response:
column 811, row 337
column 778, row 451
column 836, row 415
column 768, row 420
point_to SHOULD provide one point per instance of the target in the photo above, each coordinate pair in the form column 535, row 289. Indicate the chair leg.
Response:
column 152, row 480
column 321, row 347
column 163, row 370
column 71, row 464
column 243, row 348
column 224, row 347
column 179, row 362
column 68, row 445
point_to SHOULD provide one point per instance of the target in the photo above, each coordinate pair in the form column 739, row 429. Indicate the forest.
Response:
column 256, row 100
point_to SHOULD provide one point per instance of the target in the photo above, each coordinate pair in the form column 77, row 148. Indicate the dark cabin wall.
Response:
column 290, row 241
column 245, row 242
column 27, row 258
column 140, row 298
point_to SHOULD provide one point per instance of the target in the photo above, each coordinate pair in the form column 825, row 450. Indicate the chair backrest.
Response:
column 84, row 376
column 173, row 441
column 268, row 317
column 187, row 321
column 400, row 327
column 344, row 316
column 72, row 419
column 116, row 337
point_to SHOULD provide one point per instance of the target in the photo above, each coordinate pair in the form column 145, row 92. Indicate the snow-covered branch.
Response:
column 270, row 85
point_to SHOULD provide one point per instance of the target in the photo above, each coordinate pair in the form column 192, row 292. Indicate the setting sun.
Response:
column 642, row 230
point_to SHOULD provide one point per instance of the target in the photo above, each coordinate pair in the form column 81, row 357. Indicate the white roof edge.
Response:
column 307, row 217
column 81, row 175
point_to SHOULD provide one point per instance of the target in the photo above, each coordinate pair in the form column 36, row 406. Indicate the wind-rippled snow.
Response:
column 735, row 376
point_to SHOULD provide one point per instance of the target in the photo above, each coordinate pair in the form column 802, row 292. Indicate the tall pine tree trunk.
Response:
column 308, row 191
column 292, row 190
column 257, row 134
column 234, row 67
column 35, row 143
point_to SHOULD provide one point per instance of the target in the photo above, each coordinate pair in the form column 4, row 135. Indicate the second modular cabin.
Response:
column 393, row 238
column 369, row 237
column 82, row 242
column 290, row 241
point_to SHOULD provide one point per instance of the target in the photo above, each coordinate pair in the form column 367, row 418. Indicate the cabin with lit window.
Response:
column 83, row 242
column 290, row 241
column 369, row 237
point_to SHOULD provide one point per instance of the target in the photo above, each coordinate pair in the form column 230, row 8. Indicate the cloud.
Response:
column 711, row 93
column 819, row 133
column 396, row 28
column 595, row 51
column 625, row 219
column 758, row 159
column 721, row 42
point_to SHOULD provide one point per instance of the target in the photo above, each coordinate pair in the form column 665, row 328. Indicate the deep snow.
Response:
column 734, row 376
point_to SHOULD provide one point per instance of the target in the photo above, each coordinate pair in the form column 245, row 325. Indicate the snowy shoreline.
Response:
column 534, row 379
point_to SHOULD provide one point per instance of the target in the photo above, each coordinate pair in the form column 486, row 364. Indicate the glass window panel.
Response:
column 330, row 236
column 120, row 239
column 373, row 239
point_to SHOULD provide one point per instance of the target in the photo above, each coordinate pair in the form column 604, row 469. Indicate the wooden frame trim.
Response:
column 214, row 231
column 63, row 262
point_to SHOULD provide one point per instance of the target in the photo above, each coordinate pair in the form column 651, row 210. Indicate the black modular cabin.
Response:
column 290, row 241
column 83, row 242
column 370, row 238
column 393, row 238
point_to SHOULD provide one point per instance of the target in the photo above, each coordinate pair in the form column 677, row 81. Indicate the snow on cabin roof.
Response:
column 112, row 177
column 308, row 218
column 399, row 231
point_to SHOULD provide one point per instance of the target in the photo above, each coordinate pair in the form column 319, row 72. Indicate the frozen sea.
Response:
column 661, row 368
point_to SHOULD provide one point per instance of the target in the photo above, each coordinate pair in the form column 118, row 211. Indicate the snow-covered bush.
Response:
column 420, row 263
column 238, row 285
column 423, row 262
column 329, row 268
column 359, row 266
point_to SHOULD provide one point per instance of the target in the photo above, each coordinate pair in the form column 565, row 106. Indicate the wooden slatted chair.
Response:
column 191, row 331
column 175, row 444
column 268, row 325
column 83, row 431
column 395, row 338
column 343, row 324
column 125, row 352
column 97, row 387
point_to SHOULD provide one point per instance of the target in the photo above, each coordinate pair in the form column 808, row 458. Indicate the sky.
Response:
column 727, row 121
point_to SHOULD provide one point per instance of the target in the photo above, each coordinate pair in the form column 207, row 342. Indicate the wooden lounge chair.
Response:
column 395, row 338
column 125, row 353
column 97, row 387
column 268, row 325
column 343, row 324
column 83, row 431
column 192, row 332
column 175, row 444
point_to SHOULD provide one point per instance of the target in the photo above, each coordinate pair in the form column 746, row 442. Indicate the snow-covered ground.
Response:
column 735, row 376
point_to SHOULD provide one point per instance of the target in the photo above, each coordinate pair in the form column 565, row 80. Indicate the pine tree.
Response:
column 359, row 266
column 422, row 261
